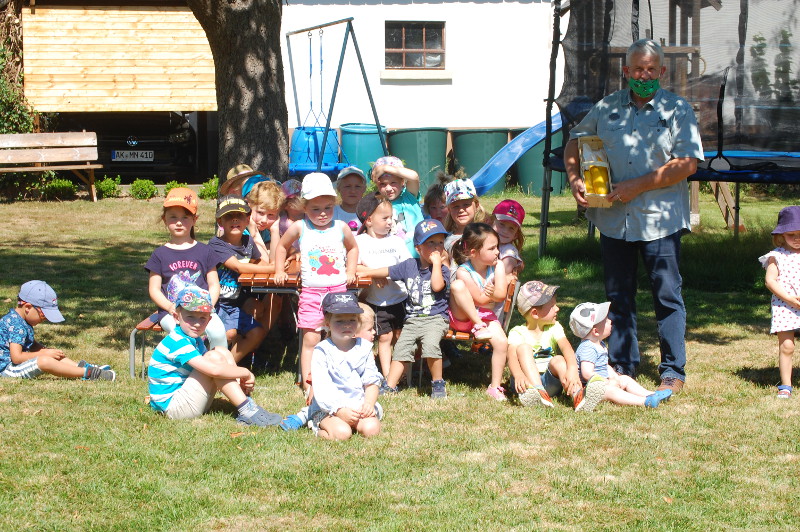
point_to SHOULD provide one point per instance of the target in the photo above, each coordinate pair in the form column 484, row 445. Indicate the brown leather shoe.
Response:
column 671, row 383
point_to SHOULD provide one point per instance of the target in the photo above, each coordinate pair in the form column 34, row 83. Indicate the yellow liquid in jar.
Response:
column 587, row 182
column 599, row 179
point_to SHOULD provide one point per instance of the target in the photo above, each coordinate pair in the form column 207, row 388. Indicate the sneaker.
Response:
column 438, row 389
column 291, row 423
column 536, row 396
column 260, row 418
column 592, row 394
column 94, row 373
column 482, row 333
column 385, row 389
column 577, row 399
column 671, row 383
column 498, row 394
column 83, row 364
column 378, row 411
column 784, row 392
column 655, row 399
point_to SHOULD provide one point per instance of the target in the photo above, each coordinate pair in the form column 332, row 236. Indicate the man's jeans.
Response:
column 620, row 263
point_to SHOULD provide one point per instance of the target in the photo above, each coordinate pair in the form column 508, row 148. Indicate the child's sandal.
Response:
column 784, row 392
column 481, row 332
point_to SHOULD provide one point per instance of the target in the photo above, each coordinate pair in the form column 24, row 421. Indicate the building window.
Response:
column 415, row 45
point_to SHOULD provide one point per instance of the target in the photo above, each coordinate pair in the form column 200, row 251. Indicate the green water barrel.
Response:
column 362, row 145
column 472, row 148
column 529, row 169
column 423, row 149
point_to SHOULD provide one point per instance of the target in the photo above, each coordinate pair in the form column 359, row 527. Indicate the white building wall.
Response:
column 497, row 57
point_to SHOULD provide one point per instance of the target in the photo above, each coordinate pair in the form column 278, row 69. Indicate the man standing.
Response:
column 653, row 144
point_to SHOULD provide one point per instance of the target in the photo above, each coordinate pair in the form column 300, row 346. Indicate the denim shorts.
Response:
column 235, row 318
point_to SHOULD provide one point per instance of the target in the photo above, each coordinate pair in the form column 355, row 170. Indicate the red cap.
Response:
column 510, row 211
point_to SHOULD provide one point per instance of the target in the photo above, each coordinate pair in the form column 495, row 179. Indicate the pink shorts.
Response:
column 486, row 316
column 309, row 311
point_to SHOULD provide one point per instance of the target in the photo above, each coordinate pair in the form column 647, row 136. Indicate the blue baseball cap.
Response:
column 39, row 294
column 426, row 229
column 341, row 303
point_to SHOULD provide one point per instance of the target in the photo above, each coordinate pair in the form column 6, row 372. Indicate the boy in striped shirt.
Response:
column 184, row 377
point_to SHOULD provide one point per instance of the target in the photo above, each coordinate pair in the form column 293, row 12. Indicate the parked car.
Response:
column 161, row 146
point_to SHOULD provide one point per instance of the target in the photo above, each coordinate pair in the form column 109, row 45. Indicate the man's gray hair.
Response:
column 646, row 47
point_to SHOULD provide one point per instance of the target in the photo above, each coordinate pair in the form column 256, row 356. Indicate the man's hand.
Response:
column 624, row 191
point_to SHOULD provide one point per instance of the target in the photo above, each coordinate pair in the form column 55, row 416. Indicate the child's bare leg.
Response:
column 435, row 367
column 60, row 368
column 626, row 383
column 230, row 388
column 461, row 304
column 271, row 309
column 244, row 345
column 558, row 367
column 385, row 351
column 310, row 340
column 369, row 426
column 785, row 355
column 396, row 371
column 528, row 365
column 619, row 396
column 499, row 348
column 334, row 428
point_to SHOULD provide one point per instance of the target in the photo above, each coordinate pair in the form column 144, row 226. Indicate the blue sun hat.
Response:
column 788, row 220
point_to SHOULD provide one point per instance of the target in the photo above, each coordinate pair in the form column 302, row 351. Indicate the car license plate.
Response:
column 132, row 155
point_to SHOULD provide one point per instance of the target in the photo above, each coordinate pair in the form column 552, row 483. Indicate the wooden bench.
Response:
column 42, row 152
column 144, row 326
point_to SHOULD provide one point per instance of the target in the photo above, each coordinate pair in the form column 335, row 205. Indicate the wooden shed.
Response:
column 123, row 56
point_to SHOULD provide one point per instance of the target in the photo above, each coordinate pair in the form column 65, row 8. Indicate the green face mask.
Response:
column 643, row 88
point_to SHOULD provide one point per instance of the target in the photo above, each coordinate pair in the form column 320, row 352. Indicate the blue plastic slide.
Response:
column 496, row 167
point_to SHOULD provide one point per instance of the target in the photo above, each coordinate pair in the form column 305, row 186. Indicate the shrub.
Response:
column 58, row 188
column 173, row 184
column 209, row 189
column 143, row 189
column 108, row 187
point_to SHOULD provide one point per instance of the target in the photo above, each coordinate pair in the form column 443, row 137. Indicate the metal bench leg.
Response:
column 132, row 353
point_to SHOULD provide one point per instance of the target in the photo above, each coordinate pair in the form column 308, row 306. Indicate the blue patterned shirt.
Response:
column 13, row 330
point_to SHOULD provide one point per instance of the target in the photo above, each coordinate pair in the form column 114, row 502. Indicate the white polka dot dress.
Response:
column 784, row 316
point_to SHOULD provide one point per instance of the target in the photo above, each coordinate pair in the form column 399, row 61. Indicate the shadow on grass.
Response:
column 766, row 377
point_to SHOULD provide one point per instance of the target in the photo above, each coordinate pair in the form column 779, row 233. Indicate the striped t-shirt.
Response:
column 169, row 366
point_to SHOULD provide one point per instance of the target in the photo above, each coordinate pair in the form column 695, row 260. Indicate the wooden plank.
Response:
column 91, row 106
column 48, row 155
column 129, row 77
column 41, row 140
column 99, row 54
column 49, row 167
column 90, row 83
column 141, row 93
column 146, row 69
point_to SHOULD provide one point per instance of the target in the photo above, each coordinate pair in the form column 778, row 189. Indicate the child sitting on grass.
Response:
column 344, row 375
column 23, row 357
column 366, row 324
column 426, row 279
column 236, row 253
column 590, row 322
column 184, row 377
column 541, row 347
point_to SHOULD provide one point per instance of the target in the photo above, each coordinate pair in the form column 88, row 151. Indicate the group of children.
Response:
column 447, row 267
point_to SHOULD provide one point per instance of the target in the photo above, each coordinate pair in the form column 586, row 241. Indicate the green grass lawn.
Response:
column 92, row 456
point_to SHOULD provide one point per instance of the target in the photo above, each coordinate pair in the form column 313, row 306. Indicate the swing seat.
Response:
column 305, row 149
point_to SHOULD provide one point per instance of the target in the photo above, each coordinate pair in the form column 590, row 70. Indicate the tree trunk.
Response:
column 244, row 36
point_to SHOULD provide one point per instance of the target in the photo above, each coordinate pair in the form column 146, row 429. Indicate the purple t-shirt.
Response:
column 421, row 301
column 195, row 262
column 229, row 289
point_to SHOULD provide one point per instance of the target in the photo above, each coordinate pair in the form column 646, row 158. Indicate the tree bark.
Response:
column 244, row 36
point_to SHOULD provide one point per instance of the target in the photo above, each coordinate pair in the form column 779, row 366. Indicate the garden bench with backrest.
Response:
column 43, row 152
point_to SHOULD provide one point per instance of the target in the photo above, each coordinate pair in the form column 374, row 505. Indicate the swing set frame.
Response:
column 349, row 31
